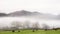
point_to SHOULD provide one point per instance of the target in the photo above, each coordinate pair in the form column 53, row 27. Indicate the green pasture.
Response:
column 30, row 32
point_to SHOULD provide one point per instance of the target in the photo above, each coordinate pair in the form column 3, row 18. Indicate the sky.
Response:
column 44, row 6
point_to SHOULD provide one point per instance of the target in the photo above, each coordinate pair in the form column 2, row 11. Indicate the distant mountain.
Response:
column 31, row 14
column 3, row 14
column 23, row 13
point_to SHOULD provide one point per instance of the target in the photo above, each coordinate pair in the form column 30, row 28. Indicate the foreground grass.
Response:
column 30, row 32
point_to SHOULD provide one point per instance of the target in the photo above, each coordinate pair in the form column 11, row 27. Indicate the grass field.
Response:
column 30, row 32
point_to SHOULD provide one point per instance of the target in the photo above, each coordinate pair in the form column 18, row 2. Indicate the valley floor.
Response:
column 30, row 32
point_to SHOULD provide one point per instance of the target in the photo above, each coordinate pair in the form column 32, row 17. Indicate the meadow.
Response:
column 30, row 32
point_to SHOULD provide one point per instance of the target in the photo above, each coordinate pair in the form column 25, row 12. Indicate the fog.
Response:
column 6, row 21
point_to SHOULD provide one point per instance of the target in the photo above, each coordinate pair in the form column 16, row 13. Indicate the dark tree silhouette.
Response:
column 13, row 30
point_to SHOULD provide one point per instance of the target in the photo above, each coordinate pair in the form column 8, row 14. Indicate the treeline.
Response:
column 16, row 25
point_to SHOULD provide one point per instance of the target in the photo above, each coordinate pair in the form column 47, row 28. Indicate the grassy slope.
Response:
column 30, row 32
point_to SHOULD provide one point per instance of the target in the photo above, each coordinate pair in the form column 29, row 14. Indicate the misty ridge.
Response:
column 30, row 14
column 26, row 19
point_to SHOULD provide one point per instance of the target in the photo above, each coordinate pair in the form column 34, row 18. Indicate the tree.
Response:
column 16, row 25
column 35, row 26
column 45, row 27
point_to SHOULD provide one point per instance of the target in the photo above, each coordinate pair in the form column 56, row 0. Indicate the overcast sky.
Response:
column 45, row 6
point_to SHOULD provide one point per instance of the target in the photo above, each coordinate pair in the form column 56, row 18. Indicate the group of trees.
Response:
column 26, row 25
column 16, row 25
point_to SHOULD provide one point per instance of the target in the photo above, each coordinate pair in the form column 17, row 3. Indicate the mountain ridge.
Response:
column 32, row 14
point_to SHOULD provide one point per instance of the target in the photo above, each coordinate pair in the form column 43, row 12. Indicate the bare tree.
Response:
column 15, row 26
column 35, row 26
column 45, row 27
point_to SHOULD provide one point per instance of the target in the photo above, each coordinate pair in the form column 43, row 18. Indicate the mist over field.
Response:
column 6, row 21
